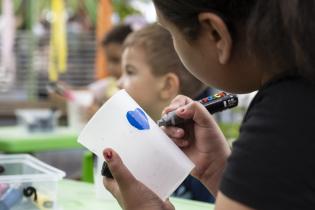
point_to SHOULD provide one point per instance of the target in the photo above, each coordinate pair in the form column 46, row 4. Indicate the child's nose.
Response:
column 120, row 83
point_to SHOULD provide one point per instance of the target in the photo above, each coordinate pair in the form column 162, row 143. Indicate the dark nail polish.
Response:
column 108, row 155
column 106, row 172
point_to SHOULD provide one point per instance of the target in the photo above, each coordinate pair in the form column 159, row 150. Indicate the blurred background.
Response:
column 26, row 28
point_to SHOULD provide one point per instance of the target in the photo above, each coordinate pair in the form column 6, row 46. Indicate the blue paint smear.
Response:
column 138, row 119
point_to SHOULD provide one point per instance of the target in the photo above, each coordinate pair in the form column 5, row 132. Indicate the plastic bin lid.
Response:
column 26, row 168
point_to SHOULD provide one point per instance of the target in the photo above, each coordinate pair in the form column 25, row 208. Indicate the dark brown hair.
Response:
column 162, row 57
column 281, row 31
column 117, row 35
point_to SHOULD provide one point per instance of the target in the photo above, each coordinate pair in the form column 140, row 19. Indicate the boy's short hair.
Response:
column 162, row 57
column 117, row 35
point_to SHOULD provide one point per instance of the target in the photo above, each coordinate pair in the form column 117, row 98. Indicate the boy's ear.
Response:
column 170, row 86
column 217, row 31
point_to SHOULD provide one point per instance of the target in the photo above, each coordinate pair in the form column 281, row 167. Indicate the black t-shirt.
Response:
column 272, row 165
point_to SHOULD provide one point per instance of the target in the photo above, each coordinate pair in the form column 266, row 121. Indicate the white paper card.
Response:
column 101, row 192
column 145, row 149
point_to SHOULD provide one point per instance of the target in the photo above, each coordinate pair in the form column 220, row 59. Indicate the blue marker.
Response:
column 11, row 197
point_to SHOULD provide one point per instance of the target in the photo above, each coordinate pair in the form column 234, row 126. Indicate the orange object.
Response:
column 104, row 24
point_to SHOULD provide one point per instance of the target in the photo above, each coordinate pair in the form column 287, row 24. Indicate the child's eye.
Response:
column 129, row 72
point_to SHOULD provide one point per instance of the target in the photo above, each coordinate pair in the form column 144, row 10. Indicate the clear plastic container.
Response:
column 38, row 120
column 27, row 183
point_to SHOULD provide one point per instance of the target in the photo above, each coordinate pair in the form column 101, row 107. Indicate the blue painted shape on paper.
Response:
column 138, row 119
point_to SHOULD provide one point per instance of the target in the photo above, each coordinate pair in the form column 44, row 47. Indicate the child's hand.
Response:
column 201, row 140
column 128, row 191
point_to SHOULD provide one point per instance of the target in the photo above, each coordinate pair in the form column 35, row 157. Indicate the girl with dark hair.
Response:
column 240, row 46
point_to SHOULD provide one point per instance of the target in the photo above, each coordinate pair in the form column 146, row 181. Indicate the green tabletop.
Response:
column 16, row 139
column 74, row 195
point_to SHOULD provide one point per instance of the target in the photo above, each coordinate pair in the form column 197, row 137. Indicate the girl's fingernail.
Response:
column 108, row 155
column 179, row 133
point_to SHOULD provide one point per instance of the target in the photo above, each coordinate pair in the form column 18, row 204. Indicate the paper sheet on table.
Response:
column 149, row 154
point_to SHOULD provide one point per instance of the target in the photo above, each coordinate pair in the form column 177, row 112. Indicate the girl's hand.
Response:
column 129, row 192
column 201, row 140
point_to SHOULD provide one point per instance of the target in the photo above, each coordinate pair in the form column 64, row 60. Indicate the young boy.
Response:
column 113, row 46
column 153, row 75
column 152, row 72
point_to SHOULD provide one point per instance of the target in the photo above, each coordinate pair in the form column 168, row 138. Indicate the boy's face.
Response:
column 113, row 53
column 137, row 79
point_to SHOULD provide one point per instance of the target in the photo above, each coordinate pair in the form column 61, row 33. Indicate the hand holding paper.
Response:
column 144, row 148
column 128, row 191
